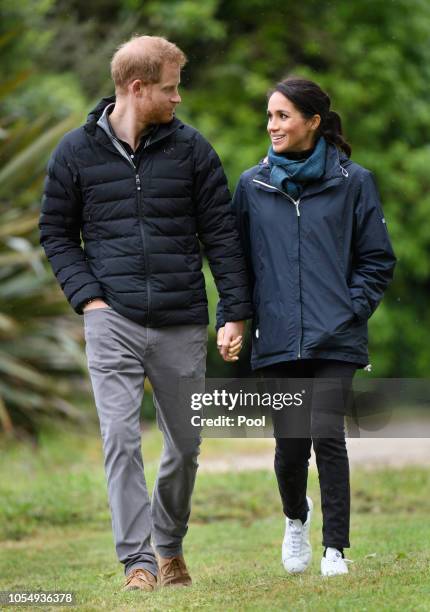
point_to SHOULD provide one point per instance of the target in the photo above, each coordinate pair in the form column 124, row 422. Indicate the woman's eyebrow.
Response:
column 278, row 110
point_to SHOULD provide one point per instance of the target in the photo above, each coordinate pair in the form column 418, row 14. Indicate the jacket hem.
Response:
column 262, row 362
column 200, row 317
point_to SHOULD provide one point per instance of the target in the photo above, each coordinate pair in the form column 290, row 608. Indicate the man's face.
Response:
column 159, row 100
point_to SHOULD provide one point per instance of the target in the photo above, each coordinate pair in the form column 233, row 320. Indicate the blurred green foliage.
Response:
column 373, row 58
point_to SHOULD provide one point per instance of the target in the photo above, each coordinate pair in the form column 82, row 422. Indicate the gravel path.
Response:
column 371, row 453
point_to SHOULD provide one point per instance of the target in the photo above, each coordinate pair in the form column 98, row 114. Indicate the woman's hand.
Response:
column 230, row 340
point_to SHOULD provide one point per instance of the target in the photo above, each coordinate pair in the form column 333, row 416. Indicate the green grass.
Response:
column 55, row 534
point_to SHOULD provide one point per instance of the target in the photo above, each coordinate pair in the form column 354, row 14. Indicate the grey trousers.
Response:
column 120, row 355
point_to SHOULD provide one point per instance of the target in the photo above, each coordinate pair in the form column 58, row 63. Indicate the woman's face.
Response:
column 287, row 127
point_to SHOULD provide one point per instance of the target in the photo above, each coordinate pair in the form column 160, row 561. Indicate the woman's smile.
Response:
column 277, row 138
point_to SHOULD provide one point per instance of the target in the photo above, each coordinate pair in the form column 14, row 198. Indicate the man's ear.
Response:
column 137, row 88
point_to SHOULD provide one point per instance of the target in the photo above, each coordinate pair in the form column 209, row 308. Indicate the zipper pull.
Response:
column 138, row 182
column 296, row 204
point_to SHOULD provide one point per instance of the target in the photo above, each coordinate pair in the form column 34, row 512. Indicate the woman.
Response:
column 320, row 260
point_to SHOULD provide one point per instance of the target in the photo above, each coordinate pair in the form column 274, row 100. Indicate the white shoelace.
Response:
column 295, row 540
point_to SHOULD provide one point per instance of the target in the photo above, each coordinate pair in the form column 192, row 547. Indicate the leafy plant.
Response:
column 39, row 346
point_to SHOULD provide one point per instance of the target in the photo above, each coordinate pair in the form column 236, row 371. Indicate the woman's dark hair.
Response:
column 310, row 100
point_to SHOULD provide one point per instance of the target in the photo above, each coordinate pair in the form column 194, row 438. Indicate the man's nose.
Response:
column 176, row 99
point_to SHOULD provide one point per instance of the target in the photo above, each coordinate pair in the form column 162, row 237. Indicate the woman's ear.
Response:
column 315, row 122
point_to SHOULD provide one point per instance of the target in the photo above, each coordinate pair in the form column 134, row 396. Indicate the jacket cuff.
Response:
column 219, row 323
column 88, row 292
column 361, row 308
column 85, row 302
column 238, row 313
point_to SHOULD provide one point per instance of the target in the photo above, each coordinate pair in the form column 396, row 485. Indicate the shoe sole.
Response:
column 175, row 585
column 135, row 588
column 329, row 574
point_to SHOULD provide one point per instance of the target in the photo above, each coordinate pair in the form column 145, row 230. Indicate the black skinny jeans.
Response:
column 292, row 454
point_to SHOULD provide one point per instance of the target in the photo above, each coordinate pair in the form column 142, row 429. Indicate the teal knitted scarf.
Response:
column 291, row 175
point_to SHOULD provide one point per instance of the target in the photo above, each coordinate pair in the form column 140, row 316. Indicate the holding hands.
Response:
column 230, row 340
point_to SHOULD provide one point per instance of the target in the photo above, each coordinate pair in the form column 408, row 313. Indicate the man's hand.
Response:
column 98, row 303
column 230, row 340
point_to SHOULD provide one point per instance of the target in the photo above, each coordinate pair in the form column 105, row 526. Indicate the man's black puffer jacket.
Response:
column 141, row 227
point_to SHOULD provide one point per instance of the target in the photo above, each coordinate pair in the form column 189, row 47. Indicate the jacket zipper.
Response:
column 296, row 204
column 125, row 154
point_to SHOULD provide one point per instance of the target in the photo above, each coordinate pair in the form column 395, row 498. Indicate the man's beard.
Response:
column 163, row 116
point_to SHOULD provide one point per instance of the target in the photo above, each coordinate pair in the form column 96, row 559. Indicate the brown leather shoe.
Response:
column 172, row 571
column 140, row 579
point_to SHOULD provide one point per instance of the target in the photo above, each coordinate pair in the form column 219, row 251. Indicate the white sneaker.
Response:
column 333, row 564
column 296, row 548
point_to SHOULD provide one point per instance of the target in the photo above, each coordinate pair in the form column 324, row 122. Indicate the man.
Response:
column 142, row 188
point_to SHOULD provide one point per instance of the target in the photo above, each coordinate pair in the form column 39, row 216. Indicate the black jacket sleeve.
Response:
column 60, row 231
column 240, row 212
column 217, row 231
column 373, row 257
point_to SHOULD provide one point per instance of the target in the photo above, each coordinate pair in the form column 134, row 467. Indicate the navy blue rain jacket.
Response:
column 319, row 266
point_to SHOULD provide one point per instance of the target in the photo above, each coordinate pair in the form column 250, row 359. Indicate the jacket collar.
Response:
column 97, row 119
column 335, row 173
